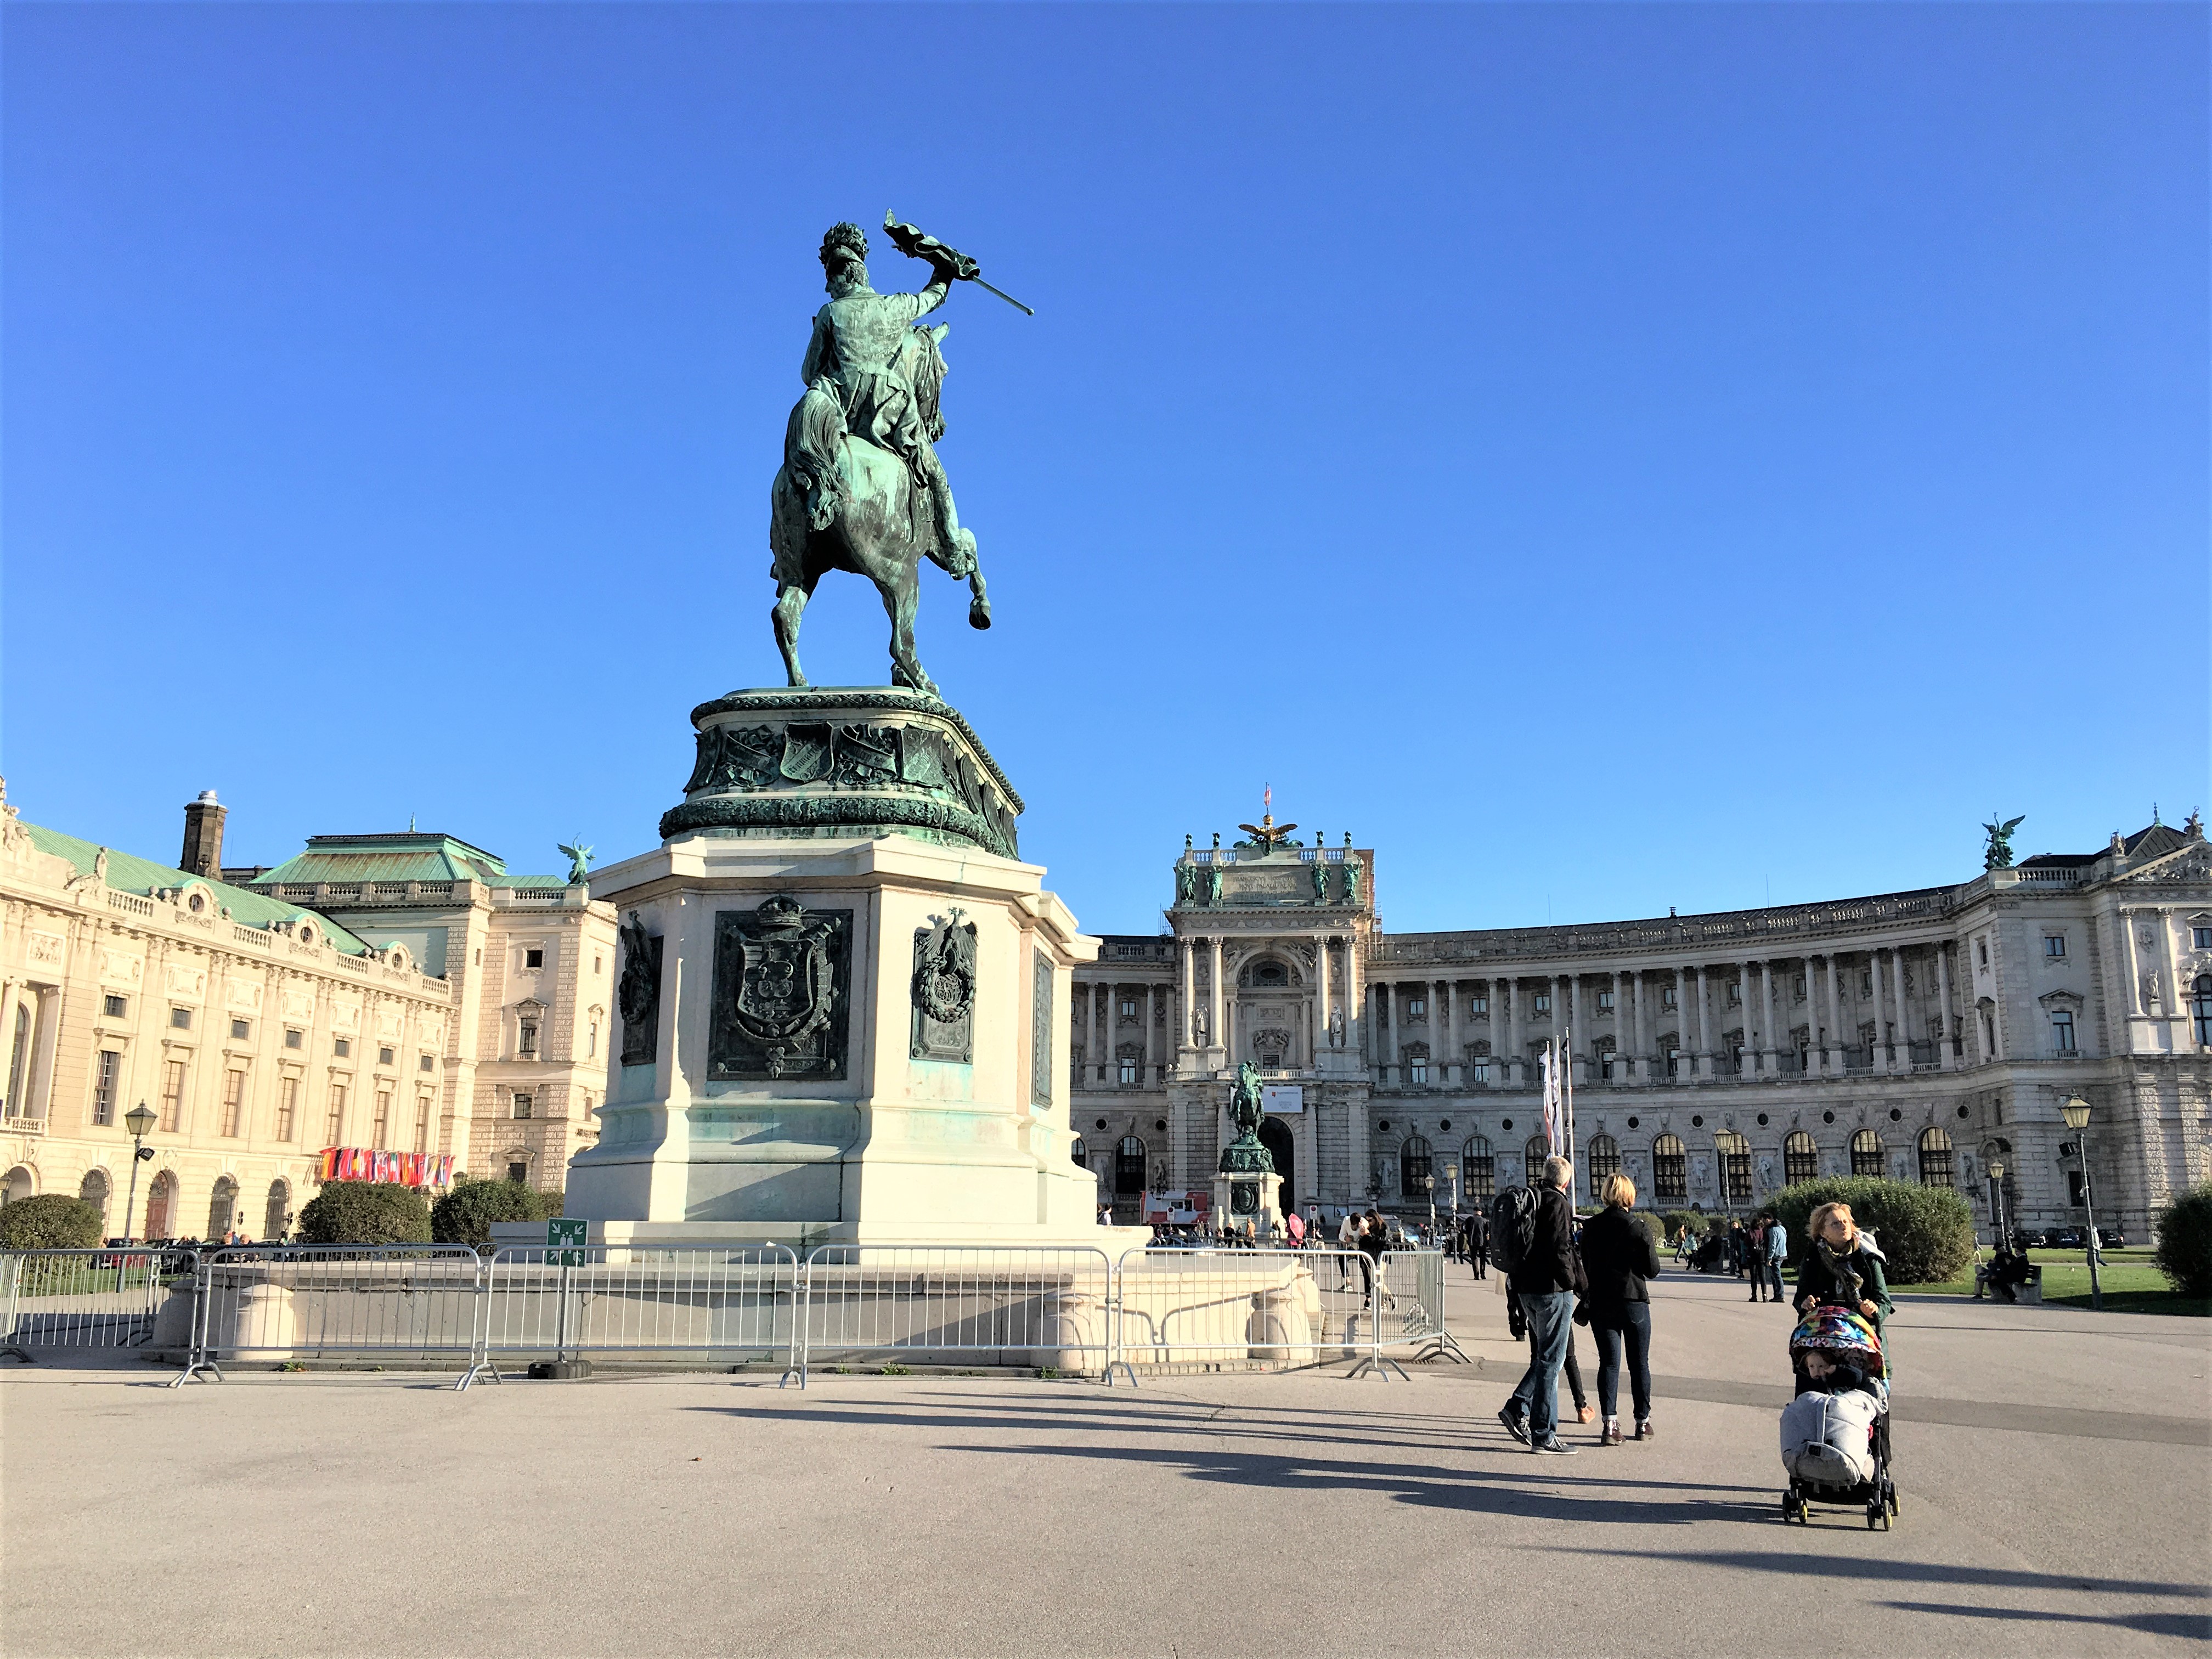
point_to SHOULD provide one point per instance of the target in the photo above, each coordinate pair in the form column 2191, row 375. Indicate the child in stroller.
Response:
column 1835, row 1434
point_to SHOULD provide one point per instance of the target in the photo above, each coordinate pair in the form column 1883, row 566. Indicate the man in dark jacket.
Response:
column 1545, row 1285
column 1478, row 1244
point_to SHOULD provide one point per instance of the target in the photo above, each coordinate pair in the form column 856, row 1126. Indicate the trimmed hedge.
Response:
column 466, row 1215
column 2185, row 1242
column 48, row 1221
column 1685, row 1221
column 1926, row 1233
column 365, row 1212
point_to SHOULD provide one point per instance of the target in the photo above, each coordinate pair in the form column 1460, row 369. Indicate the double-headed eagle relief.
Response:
column 862, row 487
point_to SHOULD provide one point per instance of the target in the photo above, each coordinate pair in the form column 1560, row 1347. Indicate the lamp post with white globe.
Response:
column 2076, row 1111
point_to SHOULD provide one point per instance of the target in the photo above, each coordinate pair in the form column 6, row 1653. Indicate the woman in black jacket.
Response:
column 1619, row 1259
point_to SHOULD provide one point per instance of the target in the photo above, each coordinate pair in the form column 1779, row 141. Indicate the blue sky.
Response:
column 1604, row 458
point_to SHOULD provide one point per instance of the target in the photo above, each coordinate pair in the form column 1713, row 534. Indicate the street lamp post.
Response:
column 1430, row 1182
column 1997, row 1197
column 140, row 1121
column 2076, row 1111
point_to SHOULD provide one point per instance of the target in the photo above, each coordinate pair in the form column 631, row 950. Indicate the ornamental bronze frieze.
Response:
column 782, row 998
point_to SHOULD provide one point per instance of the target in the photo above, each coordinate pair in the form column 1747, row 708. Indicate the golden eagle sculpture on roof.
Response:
column 1267, row 833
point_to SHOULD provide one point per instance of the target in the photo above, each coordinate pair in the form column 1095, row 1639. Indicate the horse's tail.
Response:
column 811, row 445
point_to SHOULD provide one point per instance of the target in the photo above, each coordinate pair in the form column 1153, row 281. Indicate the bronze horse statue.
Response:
column 842, row 502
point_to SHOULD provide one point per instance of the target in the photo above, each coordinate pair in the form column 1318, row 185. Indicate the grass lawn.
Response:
column 2131, row 1284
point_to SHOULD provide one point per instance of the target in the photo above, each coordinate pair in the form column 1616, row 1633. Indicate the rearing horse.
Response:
column 840, row 502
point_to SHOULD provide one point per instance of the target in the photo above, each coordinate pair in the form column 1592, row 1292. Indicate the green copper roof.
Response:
column 404, row 856
column 143, row 877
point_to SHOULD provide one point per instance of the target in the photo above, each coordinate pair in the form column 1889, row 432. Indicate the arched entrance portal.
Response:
column 1277, row 1139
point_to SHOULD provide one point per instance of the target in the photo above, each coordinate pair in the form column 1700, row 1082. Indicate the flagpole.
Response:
column 1567, row 1082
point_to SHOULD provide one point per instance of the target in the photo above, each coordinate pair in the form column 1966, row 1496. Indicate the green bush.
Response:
column 1926, row 1233
column 2184, row 1241
column 465, row 1215
column 365, row 1212
column 50, row 1222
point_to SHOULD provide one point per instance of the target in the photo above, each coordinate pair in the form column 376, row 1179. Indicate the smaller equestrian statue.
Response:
column 861, row 488
column 1245, row 1155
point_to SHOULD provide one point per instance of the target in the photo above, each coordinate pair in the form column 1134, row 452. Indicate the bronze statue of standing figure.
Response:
column 860, row 487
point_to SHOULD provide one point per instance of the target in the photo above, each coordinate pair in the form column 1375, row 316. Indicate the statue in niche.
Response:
column 637, row 993
column 1185, row 880
column 1319, row 878
column 1213, row 883
column 1352, row 881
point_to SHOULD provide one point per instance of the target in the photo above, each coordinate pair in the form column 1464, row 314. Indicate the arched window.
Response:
column 276, row 1212
column 1270, row 973
column 1414, row 1167
column 1866, row 1153
column 160, row 1205
column 1078, row 1154
column 2200, row 1014
column 222, row 1209
column 94, row 1191
column 1481, row 1170
column 1801, row 1159
column 1736, row 1167
column 1670, row 1167
column 1532, row 1160
column 19, row 1184
column 1604, row 1160
column 1936, row 1164
column 1129, row 1165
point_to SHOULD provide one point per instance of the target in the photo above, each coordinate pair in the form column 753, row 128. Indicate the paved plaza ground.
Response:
column 2056, row 1470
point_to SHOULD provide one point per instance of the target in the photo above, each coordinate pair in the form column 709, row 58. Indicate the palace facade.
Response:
column 1928, row 1036
column 399, row 992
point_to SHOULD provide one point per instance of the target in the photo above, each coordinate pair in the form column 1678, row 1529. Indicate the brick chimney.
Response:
column 202, row 855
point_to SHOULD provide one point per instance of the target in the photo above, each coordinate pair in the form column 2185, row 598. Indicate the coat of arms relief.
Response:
column 782, row 992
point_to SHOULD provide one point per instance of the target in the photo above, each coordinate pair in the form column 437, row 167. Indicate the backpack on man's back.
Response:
column 1512, row 1228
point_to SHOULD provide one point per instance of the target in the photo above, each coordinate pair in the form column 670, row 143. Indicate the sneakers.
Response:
column 1645, row 1430
column 1611, row 1435
column 1586, row 1412
column 1554, row 1447
column 1516, row 1424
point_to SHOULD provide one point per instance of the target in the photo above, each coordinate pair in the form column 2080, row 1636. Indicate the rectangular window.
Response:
column 1735, row 993
column 526, row 1039
column 1417, row 1073
column 595, row 965
column 382, row 1134
column 342, row 1047
column 294, row 1037
column 1543, row 1002
column 172, row 1096
column 240, row 1030
column 1666, row 996
column 518, row 1172
column 1478, row 1006
column 524, row 1104
column 334, row 1126
column 2054, row 944
column 233, row 1103
column 427, row 1065
column 2077, row 1190
column 1866, row 983
column 1480, row 1071
column 110, row 1068
column 1416, row 1008
column 422, row 1124
column 384, row 1056
column 114, row 1007
column 1605, row 1002
column 288, row 1106
column 1982, row 952
column 592, row 1041
column 2201, row 938
column 533, row 959
column 2062, row 1030
column 181, row 1018
column 1127, row 1070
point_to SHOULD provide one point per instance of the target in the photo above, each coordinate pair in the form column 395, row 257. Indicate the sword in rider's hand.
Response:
column 909, row 240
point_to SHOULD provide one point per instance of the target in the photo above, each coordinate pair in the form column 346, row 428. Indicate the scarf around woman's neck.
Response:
column 1848, row 1281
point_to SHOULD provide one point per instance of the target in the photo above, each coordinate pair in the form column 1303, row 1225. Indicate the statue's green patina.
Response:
column 1245, row 1155
column 862, row 487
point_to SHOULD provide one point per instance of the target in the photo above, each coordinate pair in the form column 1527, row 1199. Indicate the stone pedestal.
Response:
column 843, row 1000
column 1267, row 1214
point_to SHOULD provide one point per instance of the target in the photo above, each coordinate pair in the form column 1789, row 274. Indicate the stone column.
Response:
column 1624, row 1026
column 1188, row 999
column 1320, row 1000
column 1643, row 1069
column 1215, row 1037
column 1897, row 997
column 1386, row 1029
column 1103, row 1054
column 1881, row 1056
column 1947, row 1051
column 1704, row 1031
column 1448, row 990
column 1836, row 1034
column 1574, row 1007
column 1685, row 992
column 1769, row 1048
column 2176, row 1005
column 1512, row 1056
column 1151, row 1007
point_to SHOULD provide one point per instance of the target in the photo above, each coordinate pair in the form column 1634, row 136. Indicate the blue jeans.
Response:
column 1630, row 1323
column 1550, row 1316
column 1773, row 1277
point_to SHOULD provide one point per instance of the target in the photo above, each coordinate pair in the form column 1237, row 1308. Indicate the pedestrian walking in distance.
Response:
column 1774, row 1239
column 1620, row 1260
column 1545, row 1280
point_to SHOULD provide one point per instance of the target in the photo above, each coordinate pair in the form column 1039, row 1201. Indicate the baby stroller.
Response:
column 1835, row 1434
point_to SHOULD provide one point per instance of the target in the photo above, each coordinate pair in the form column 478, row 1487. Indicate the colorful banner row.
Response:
column 406, row 1168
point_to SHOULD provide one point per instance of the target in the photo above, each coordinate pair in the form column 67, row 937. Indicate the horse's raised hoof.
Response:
column 979, row 613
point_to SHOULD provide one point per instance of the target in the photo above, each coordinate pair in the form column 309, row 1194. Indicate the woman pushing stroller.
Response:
column 1835, row 1434
column 1844, row 1269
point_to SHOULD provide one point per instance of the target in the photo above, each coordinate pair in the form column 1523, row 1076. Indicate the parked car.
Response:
column 2111, row 1238
column 2063, row 1238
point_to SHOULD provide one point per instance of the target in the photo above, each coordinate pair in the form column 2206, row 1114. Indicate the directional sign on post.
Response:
column 564, row 1243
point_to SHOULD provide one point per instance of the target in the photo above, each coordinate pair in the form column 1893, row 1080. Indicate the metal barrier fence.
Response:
column 321, row 1302
column 938, row 1305
column 729, row 1305
column 1070, row 1309
column 1412, row 1311
column 85, row 1299
column 1269, row 1307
